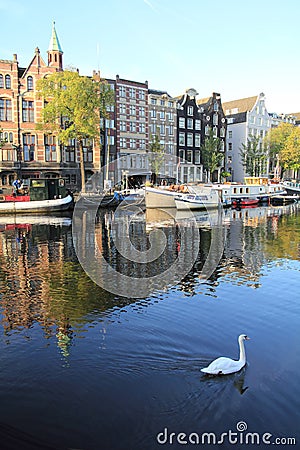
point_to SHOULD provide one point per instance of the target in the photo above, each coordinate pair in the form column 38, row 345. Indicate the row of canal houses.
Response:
column 182, row 124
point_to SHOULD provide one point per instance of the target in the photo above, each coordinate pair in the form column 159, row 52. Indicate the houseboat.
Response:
column 40, row 195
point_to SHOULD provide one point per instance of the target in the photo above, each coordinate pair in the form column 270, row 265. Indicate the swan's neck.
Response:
column 242, row 352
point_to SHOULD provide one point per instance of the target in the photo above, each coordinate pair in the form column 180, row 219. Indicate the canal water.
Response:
column 82, row 367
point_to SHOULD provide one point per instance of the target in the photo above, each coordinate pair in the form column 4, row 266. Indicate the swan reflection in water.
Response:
column 237, row 379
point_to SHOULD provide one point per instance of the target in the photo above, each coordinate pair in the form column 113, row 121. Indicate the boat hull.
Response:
column 160, row 198
column 36, row 206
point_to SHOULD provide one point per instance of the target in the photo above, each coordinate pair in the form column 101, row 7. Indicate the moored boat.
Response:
column 198, row 201
column 245, row 202
column 44, row 196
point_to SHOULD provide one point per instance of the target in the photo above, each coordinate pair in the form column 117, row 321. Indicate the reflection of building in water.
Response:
column 42, row 283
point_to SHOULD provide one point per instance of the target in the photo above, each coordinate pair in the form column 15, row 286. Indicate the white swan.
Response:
column 224, row 366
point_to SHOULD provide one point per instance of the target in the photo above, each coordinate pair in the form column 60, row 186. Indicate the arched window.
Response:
column 1, row 81
column 7, row 82
column 29, row 83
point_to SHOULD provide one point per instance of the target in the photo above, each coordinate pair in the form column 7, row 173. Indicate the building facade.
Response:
column 163, row 124
column 27, row 152
column 132, row 134
column 213, row 118
column 247, row 119
column 190, row 168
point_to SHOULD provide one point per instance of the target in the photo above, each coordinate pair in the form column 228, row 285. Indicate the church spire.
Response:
column 54, row 51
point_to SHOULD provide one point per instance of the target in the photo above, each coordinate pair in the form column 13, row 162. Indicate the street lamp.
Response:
column 18, row 150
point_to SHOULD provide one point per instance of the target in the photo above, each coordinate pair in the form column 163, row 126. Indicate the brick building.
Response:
column 27, row 152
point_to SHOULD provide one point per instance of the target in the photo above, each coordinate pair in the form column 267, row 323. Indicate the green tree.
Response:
column 73, row 105
column 253, row 155
column 284, row 143
column 156, row 156
column 212, row 156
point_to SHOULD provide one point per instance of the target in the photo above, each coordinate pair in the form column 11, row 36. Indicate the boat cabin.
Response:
column 47, row 188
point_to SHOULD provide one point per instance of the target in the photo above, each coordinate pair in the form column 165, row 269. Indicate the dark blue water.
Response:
column 82, row 368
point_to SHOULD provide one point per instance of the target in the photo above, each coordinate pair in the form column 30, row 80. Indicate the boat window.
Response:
column 61, row 182
column 247, row 190
column 38, row 183
column 241, row 190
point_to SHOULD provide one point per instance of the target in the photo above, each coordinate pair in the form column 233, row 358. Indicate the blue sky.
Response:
column 233, row 47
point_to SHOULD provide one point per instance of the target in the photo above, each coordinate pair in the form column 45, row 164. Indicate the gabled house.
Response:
column 247, row 119
column 213, row 118
column 190, row 168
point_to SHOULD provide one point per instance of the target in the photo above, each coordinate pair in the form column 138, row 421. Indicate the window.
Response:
column 207, row 128
column 197, row 156
column 190, row 123
column 189, row 140
column 216, row 106
column 7, row 82
column 215, row 131
column 230, row 134
column 5, row 110
column 141, row 95
column 87, row 151
column 261, row 133
column 153, row 101
column 162, row 103
column 132, row 143
column 181, row 122
column 197, row 124
column 28, row 147
column 132, row 127
column 190, row 110
column 171, row 130
column 162, row 115
column 29, row 83
column 181, row 154
column 162, row 129
column 197, row 140
column 252, row 119
column 222, row 146
column 189, row 156
column 142, row 143
column 153, row 113
column 170, row 115
column 132, row 110
column 122, row 91
column 70, row 151
column 181, row 139
column 123, row 142
column 1, row 81
column 215, row 119
column 27, row 111
column 131, row 92
column 122, row 108
column 142, row 111
column 50, row 148
column 122, row 125
column 142, row 128
column 230, row 146
column 170, row 104
column 222, row 132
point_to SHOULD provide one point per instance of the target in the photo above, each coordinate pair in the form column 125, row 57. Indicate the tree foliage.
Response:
column 73, row 105
column 284, row 142
column 211, row 153
column 253, row 156
column 156, row 155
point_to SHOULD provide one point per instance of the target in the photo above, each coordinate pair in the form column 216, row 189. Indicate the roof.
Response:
column 54, row 44
column 156, row 92
column 297, row 115
column 202, row 101
column 242, row 104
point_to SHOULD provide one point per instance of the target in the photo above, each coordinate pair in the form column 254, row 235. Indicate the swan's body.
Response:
column 224, row 366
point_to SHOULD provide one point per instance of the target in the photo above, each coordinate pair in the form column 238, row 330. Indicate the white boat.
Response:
column 210, row 199
column 160, row 197
column 254, row 188
column 11, row 221
column 44, row 196
column 292, row 187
